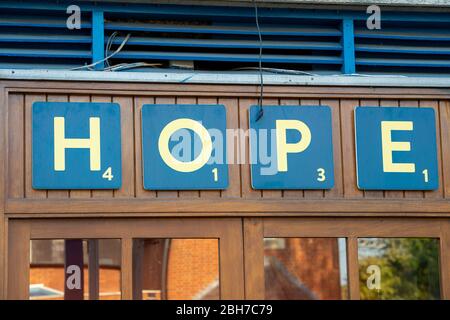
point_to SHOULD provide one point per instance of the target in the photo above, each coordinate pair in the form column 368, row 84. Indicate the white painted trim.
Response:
column 244, row 78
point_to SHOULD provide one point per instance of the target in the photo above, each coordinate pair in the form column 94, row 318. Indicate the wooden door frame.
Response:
column 227, row 230
column 256, row 229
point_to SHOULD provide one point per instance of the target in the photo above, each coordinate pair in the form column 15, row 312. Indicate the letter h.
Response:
column 62, row 143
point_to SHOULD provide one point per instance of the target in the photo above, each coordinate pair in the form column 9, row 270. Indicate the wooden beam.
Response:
column 377, row 207
column 127, row 269
column 18, row 260
column 353, row 268
column 231, row 262
column 445, row 260
column 94, row 269
column 3, row 154
column 254, row 258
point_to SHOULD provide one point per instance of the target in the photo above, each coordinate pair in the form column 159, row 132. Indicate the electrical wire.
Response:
column 278, row 71
column 108, row 57
column 108, row 46
column 261, row 79
column 127, row 66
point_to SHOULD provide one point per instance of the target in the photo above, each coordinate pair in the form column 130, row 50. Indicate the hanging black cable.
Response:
column 261, row 80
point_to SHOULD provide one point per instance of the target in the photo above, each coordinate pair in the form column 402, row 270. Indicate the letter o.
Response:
column 170, row 160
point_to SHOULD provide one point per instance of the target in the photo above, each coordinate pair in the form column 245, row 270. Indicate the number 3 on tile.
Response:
column 321, row 174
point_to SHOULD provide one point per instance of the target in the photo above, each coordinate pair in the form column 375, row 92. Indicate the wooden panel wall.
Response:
column 19, row 149
column 131, row 98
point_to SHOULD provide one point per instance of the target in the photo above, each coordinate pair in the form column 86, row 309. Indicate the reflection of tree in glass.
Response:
column 409, row 268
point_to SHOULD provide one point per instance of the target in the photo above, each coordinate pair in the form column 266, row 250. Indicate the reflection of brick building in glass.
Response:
column 189, row 268
column 177, row 268
column 47, row 269
column 302, row 268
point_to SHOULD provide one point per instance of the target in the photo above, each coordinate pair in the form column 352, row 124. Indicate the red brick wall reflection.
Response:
column 53, row 277
column 307, row 268
column 193, row 269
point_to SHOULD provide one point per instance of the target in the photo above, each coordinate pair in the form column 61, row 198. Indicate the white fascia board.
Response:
column 228, row 78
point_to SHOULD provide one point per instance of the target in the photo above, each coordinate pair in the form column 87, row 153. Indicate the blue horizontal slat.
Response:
column 216, row 43
column 241, row 30
column 402, row 62
column 37, row 21
column 402, row 34
column 175, row 10
column 18, row 65
column 43, row 38
column 221, row 11
column 402, row 49
column 227, row 57
column 43, row 53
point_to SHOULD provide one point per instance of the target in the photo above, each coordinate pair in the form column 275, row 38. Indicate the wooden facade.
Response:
column 240, row 216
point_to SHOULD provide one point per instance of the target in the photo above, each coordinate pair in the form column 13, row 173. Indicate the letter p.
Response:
column 283, row 148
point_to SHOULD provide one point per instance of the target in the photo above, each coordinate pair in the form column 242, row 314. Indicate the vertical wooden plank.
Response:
column 127, row 136
column 139, row 182
column 312, row 194
column 15, row 168
column 77, row 194
column 138, row 261
column 2, row 251
column 102, row 193
column 445, row 259
column 353, row 268
column 295, row 194
column 57, row 194
column 94, row 269
column 371, row 103
column 391, row 194
column 18, row 260
column 166, row 193
column 234, row 168
column 205, row 194
column 127, row 269
column 254, row 258
column 4, row 256
column 348, row 149
column 271, row 194
column 414, row 104
column 444, row 112
column 3, row 128
column 246, row 190
column 231, row 261
column 29, row 191
column 187, row 193
column 439, row 192
column 338, row 190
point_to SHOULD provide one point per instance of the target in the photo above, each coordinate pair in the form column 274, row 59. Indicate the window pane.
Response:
column 175, row 269
column 398, row 268
column 305, row 268
column 75, row 269
column 109, row 257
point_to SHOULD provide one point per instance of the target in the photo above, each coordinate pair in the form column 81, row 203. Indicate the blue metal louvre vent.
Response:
column 403, row 48
column 227, row 43
column 40, row 39
column 34, row 35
